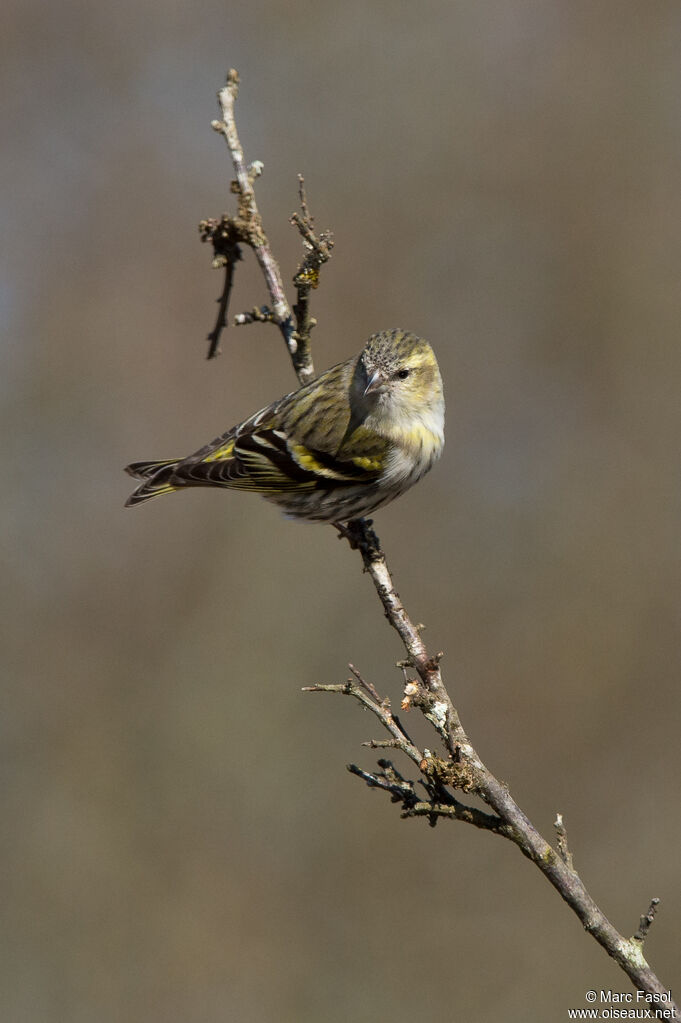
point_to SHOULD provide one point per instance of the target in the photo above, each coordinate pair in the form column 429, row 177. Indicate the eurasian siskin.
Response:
column 336, row 449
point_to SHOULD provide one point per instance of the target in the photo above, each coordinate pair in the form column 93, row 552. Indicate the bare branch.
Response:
column 435, row 702
column 458, row 811
column 382, row 744
column 380, row 708
column 460, row 769
column 317, row 252
column 390, row 780
column 224, row 235
column 221, row 322
column 369, row 686
column 248, row 209
column 469, row 772
column 248, row 224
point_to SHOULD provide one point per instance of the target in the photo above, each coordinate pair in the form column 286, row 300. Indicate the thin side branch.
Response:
column 224, row 234
column 247, row 228
column 562, row 843
column 258, row 314
column 369, row 686
column 390, row 780
column 317, row 252
column 458, row 811
column 380, row 708
column 248, row 225
column 645, row 922
column 248, row 208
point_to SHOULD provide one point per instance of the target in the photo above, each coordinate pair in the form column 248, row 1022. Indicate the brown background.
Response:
column 181, row 839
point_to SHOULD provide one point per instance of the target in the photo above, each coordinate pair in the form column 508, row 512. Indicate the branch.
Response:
column 317, row 252
column 381, row 709
column 248, row 208
column 461, row 769
column 247, row 227
column 225, row 236
column 432, row 698
column 436, row 773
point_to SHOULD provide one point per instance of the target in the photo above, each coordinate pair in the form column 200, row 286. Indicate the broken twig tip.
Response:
column 646, row 920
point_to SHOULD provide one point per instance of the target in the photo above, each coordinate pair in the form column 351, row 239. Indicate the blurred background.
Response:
column 182, row 840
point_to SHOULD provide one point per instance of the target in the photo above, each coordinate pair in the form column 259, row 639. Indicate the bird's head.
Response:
column 398, row 376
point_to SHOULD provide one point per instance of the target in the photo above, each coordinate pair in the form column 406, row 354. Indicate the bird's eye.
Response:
column 402, row 374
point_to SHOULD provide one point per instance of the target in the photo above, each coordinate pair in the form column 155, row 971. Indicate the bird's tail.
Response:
column 156, row 479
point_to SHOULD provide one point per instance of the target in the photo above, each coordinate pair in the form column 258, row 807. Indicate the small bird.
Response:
column 336, row 449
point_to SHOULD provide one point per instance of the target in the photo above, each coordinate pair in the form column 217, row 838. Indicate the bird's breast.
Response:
column 412, row 455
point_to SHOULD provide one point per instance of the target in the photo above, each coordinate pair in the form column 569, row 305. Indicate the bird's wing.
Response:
column 259, row 455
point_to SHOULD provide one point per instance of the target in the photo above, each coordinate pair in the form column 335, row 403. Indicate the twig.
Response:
column 380, row 708
column 436, row 773
column 317, row 252
column 258, row 314
column 224, row 235
column 250, row 224
column 369, row 686
column 248, row 208
column 645, row 922
column 562, row 844
column 438, row 707
column 458, row 811
column 381, row 744
column 221, row 322
column 390, row 780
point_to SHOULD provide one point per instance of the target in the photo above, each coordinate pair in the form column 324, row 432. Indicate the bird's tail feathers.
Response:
column 155, row 477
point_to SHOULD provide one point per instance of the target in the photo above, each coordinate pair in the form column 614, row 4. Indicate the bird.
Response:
column 334, row 450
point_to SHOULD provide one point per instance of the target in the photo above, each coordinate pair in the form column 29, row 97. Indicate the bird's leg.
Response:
column 355, row 531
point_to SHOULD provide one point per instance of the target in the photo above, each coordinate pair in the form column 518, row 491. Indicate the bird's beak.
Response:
column 376, row 380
